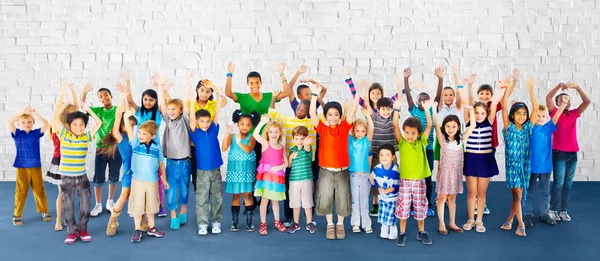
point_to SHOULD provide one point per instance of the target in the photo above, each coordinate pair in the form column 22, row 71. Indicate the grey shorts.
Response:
column 333, row 187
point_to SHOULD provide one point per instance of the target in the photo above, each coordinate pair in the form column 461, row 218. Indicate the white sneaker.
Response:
column 385, row 231
column 554, row 215
column 110, row 205
column 216, row 228
column 393, row 233
column 203, row 230
column 564, row 216
column 96, row 211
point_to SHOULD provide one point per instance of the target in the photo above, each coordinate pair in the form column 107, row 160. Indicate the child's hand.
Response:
column 530, row 83
column 72, row 86
column 26, row 110
column 363, row 84
column 407, row 72
column 230, row 67
column 294, row 155
column 124, row 76
column 308, row 141
column 472, row 78
column 316, row 88
column 469, row 108
column 276, row 94
column 398, row 104
column 229, row 129
column 168, row 85
column 427, row 104
column 305, row 80
column 365, row 112
column 87, row 87
column 455, row 69
column 121, row 88
column 398, row 80
column 572, row 85
column 439, row 70
column 346, row 70
column 382, row 191
column 85, row 106
column 188, row 79
column 32, row 111
column 166, row 184
column 563, row 86
column 155, row 79
column 516, row 74
column 264, row 118
column 303, row 69
column 129, row 112
column 565, row 100
column 281, row 68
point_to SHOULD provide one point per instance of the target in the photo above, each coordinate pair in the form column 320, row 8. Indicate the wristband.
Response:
column 281, row 74
column 460, row 86
column 314, row 94
column 396, row 110
column 229, row 74
column 403, row 91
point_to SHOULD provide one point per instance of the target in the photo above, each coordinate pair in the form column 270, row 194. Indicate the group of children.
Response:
column 309, row 161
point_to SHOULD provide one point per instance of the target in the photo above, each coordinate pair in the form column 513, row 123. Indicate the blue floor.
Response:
column 577, row 239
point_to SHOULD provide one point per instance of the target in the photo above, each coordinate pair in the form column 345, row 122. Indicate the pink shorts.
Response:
column 412, row 191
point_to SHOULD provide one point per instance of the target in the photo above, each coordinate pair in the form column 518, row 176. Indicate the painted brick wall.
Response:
column 42, row 40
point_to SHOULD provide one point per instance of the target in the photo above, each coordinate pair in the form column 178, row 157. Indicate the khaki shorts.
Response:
column 143, row 198
column 333, row 187
column 301, row 194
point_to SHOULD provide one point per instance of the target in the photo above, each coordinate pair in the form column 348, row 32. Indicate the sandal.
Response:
column 469, row 225
column 479, row 227
column 263, row 229
column 17, row 222
column 457, row 230
column 280, row 227
column 46, row 217
column 58, row 227
column 443, row 232
column 355, row 229
column 521, row 232
column 506, row 226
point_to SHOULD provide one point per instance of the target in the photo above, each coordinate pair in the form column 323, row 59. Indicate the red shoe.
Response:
column 85, row 236
column 280, row 227
column 71, row 238
column 263, row 229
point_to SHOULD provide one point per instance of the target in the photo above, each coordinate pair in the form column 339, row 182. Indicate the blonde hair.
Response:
column 149, row 126
column 27, row 116
column 273, row 124
column 542, row 107
column 176, row 102
column 357, row 123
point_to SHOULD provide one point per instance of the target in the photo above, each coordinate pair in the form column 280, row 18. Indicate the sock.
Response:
column 341, row 224
column 98, row 204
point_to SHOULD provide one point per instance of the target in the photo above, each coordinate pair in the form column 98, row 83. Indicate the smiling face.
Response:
column 203, row 123
column 148, row 102
column 245, row 125
column 520, row 116
column 301, row 111
column 26, row 122
column 77, row 127
column 105, row 98
column 173, row 111
column 274, row 133
column 144, row 136
column 542, row 117
column 299, row 140
column 375, row 95
column 204, row 93
column 333, row 117
column 448, row 95
column 451, row 128
column 254, row 84
column 386, row 157
column 360, row 131
column 385, row 112
column 410, row 133
column 484, row 95
column 304, row 93
column 480, row 114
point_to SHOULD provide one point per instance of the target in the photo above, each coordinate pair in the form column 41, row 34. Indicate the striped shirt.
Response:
column 385, row 179
column 301, row 165
column 73, row 150
column 383, row 132
column 481, row 138
column 289, row 123
column 420, row 114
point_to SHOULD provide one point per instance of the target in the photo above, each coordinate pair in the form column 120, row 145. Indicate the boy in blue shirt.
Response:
column 387, row 178
column 208, row 170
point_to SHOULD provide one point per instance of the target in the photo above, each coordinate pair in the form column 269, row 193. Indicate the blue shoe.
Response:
column 430, row 213
column 162, row 212
column 174, row 223
column 182, row 218
column 412, row 212
column 486, row 211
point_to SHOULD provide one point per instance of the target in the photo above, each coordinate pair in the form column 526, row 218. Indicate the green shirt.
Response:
column 301, row 165
column 249, row 104
column 107, row 116
column 413, row 159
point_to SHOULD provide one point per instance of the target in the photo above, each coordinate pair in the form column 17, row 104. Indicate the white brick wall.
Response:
column 553, row 40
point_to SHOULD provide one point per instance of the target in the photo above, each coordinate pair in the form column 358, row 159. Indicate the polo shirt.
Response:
column 387, row 178
column 413, row 159
column 208, row 154
column 301, row 165
column 145, row 160
column 28, row 148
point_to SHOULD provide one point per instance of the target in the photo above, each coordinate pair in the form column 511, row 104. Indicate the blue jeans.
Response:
column 565, row 164
column 178, row 177
column 537, row 182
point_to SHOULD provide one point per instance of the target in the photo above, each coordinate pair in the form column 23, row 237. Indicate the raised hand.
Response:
column 166, row 185
column 85, row 106
column 398, row 80
column 72, row 86
column 303, row 69
column 230, row 67
column 87, row 87
column 398, row 104
column 32, row 111
column 530, row 83
column 188, row 79
column 455, row 69
column 120, row 87
column 305, row 80
column 428, row 104
column 563, row 86
column 516, row 74
column 439, row 70
column 308, row 141
column 407, row 72
column 124, row 76
column 168, row 85
column 572, row 85
column 472, row 78
column 155, row 79
column 281, row 68
column 129, row 112
column 316, row 88
column 346, row 70
column 264, row 118
column 365, row 112
column 229, row 129
column 363, row 84
column 469, row 107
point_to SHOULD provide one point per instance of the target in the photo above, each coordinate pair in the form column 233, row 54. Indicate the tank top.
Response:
column 271, row 156
column 481, row 138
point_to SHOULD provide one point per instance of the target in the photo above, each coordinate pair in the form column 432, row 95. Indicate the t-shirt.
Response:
column 209, row 154
column 28, row 148
column 211, row 106
column 387, row 178
column 56, row 143
column 413, row 159
column 176, row 140
column 107, row 116
column 541, row 148
column 73, row 150
column 333, row 145
column 449, row 110
column 289, row 123
column 249, row 104
column 145, row 160
column 565, row 137
column 301, row 165
column 147, row 116
column 125, row 150
column 358, row 151
column 420, row 114
column 383, row 132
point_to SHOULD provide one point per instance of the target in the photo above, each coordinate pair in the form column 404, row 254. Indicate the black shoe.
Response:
column 528, row 220
column 235, row 212
column 293, row 228
column 249, row 225
column 401, row 240
column 137, row 236
column 374, row 210
column 424, row 237
column 548, row 220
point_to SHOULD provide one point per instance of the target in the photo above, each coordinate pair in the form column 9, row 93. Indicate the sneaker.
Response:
column 554, row 215
column 430, row 213
column 110, row 205
column 71, row 238
column 393, row 233
column 528, row 220
column 162, row 212
column 96, row 210
column 385, row 231
column 216, row 228
column 412, row 212
column 311, row 227
column 155, row 232
column 85, row 236
column 486, row 211
column 374, row 210
column 330, row 234
column 564, row 216
column 424, row 237
column 288, row 223
column 175, row 223
column 294, row 227
column 202, row 230
column 136, row 237
column 401, row 240
column 548, row 220
column 182, row 218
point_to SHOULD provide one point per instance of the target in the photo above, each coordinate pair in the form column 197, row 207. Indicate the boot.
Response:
column 235, row 212
column 249, row 212
column 111, row 228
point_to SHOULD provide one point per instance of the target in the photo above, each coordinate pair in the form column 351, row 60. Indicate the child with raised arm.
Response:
column 334, row 181
column 359, row 144
column 205, row 131
column 74, row 142
column 446, row 105
column 303, row 90
column 146, row 160
column 28, row 163
column 301, row 179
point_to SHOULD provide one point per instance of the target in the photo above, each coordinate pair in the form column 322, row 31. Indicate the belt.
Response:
column 179, row 159
column 336, row 169
column 479, row 151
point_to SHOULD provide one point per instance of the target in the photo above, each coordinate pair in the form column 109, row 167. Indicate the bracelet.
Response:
column 229, row 74
column 403, row 91
column 460, row 86
column 281, row 75
column 314, row 94
column 396, row 110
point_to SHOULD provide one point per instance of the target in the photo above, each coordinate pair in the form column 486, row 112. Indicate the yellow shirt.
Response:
column 211, row 106
column 289, row 123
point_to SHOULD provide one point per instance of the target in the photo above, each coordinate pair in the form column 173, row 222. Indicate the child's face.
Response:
column 448, row 96
column 451, row 128
column 77, row 127
column 386, row 157
column 26, row 123
column 375, row 95
column 333, row 117
column 149, row 102
column 173, row 111
column 385, row 112
column 542, row 117
column 299, row 140
column 422, row 98
column 144, row 136
column 254, row 84
column 104, row 98
column 245, row 125
column 204, row 93
column 360, row 131
column 484, row 95
column 301, row 111
column 520, row 116
column 411, row 133
column 203, row 123
column 480, row 114
column 304, row 94
column 561, row 101
column 274, row 134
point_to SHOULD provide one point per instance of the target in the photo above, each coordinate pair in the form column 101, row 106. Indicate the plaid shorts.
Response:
column 412, row 191
column 386, row 216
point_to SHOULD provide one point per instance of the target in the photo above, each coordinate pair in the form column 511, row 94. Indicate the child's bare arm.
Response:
column 128, row 126
column 292, row 82
column 219, row 107
column 287, row 90
column 87, row 87
column 371, row 126
column 186, row 94
column 534, row 102
column 352, row 113
column 11, row 122
column 263, row 120
column 459, row 100
column 586, row 100
column 508, row 84
column 436, row 125
column 313, row 106
column 245, row 148
column 56, row 124
column 472, row 123
column 439, row 72
column 550, row 96
column 561, row 109
column 130, row 102
column 192, row 116
column 427, row 106
column 45, row 124
column 97, row 120
column 163, row 176
column 227, row 139
column 162, row 100
column 228, row 91
column 409, row 99
column 470, row 82
column 118, row 116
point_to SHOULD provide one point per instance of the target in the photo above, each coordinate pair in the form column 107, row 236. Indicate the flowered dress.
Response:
column 517, row 154
column 268, row 184
column 449, row 179
column 241, row 168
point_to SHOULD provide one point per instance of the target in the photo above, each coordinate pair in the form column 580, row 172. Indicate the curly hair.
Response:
column 273, row 124
column 413, row 122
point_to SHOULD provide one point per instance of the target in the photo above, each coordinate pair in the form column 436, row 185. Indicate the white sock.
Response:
column 341, row 224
